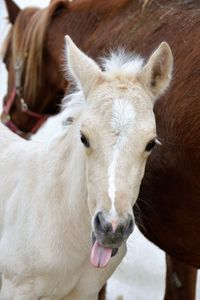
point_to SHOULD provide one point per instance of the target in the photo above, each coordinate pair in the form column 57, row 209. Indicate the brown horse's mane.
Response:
column 27, row 44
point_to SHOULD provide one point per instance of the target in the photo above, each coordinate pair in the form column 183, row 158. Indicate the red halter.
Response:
column 6, row 118
column 16, row 93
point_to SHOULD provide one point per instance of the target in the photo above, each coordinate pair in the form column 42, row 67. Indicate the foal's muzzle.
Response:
column 109, row 237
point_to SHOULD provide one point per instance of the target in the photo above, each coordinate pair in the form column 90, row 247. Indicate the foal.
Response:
column 66, row 205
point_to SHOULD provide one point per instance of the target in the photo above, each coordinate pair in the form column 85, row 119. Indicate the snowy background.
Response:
column 141, row 275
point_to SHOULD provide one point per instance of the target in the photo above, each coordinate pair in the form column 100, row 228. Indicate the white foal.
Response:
column 66, row 205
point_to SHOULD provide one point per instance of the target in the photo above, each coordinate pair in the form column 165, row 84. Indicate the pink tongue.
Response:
column 100, row 256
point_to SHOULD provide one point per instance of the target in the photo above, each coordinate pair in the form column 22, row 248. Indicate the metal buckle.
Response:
column 5, row 118
column 24, row 106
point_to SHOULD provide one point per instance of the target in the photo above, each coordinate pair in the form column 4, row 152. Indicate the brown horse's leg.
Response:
column 180, row 280
column 102, row 293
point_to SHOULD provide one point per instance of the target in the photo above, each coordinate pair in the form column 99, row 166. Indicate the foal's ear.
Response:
column 82, row 68
column 156, row 74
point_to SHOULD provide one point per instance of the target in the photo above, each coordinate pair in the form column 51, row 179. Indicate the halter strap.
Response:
column 8, row 104
column 17, row 93
column 6, row 118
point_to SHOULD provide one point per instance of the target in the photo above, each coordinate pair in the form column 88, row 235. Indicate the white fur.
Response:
column 45, row 233
column 111, row 182
column 123, row 117
column 121, row 62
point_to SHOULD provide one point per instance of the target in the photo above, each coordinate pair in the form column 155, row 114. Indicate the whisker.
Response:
column 139, row 218
column 146, row 203
column 160, row 141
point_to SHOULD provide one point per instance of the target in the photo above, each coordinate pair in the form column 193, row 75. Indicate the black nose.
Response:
column 104, row 231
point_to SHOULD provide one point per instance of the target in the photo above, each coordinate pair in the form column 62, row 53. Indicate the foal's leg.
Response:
column 180, row 280
column 102, row 293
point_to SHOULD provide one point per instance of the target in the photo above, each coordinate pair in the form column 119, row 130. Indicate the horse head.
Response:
column 36, row 84
column 118, row 132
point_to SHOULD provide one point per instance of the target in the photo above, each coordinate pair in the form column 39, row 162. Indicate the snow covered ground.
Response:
column 141, row 274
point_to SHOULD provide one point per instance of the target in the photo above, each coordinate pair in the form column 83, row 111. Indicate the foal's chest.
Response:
column 83, row 282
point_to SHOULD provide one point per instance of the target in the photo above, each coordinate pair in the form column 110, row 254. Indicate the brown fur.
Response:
column 168, row 210
column 13, row 10
column 98, row 6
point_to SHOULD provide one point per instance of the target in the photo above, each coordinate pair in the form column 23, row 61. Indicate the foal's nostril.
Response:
column 129, row 226
column 120, row 230
column 101, row 224
column 97, row 221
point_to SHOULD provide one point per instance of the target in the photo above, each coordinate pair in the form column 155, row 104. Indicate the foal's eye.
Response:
column 150, row 145
column 84, row 140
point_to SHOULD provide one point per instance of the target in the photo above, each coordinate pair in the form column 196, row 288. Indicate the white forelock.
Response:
column 122, row 62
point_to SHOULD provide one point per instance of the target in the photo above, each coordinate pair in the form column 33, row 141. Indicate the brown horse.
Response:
column 168, row 208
